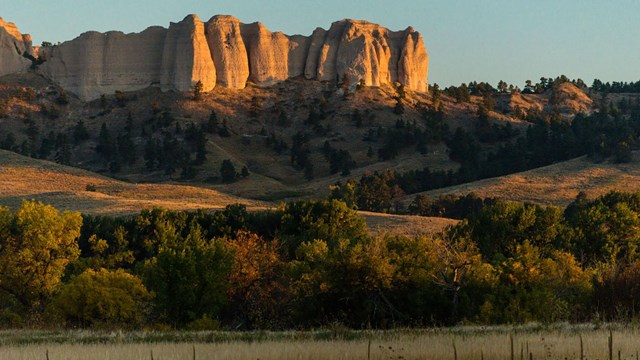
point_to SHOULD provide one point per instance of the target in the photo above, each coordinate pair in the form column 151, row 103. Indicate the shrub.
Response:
column 101, row 297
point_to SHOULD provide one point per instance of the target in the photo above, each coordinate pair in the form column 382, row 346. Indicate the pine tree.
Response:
column 228, row 171
column 197, row 91
column 212, row 123
column 201, row 148
column 80, row 132
column 244, row 172
column 105, row 143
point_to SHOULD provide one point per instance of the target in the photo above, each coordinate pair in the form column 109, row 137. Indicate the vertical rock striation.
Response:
column 268, row 54
column 224, row 52
column 228, row 51
column 13, row 45
column 94, row 63
column 186, row 57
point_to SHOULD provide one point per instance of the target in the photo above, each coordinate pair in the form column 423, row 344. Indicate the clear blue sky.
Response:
column 482, row 40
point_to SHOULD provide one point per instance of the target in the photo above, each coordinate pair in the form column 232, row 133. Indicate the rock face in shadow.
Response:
column 224, row 52
column 13, row 45
column 94, row 63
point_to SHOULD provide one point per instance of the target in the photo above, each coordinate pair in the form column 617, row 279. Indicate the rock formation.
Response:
column 224, row 52
column 228, row 51
column 268, row 54
column 186, row 58
column 13, row 45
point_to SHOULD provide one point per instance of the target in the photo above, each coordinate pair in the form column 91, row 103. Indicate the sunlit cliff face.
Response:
column 224, row 52
column 13, row 45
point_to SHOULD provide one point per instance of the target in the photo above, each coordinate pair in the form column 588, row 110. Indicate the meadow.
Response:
column 532, row 341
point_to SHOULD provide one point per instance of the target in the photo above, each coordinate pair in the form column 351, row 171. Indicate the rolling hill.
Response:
column 68, row 188
column 556, row 184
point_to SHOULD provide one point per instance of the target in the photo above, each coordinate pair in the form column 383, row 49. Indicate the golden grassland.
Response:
column 558, row 341
column 66, row 188
column 556, row 184
column 404, row 224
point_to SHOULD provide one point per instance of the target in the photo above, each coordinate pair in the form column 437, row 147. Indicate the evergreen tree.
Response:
column 244, row 172
column 105, row 146
column 80, row 133
column 228, row 171
column 198, row 88
column 63, row 149
column 212, row 122
column 201, row 148
column 46, row 146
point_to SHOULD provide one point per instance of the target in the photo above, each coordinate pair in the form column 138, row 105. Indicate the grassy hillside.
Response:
column 405, row 224
column 362, row 123
column 69, row 188
column 32, row 110
column 557, row 184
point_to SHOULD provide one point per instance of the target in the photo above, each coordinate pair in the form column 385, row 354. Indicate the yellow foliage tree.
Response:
column 258, row 291
column 36, row 245
column 101, row 298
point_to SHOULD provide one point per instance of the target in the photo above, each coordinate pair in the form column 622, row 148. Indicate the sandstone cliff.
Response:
column 186, row 57
column 224, row 52
column 94, row 64
column 13, row 45
column 228, row 51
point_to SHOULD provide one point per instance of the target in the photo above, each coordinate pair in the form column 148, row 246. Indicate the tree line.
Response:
column 309, row 264
column 608, row 134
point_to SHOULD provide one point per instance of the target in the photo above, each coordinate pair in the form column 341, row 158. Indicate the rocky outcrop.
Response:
column 13, row 45
column 228, row 51
column 316, row 44
column 94, row 63
column 298, row 54
column 224, row 52
column 186, row 57
column 414, row 62
column 268, row 54
column 367, row 52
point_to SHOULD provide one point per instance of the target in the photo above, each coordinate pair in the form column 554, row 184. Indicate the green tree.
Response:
column 80, row 133
column 189, row 275
column 542, row 288
column 106, row 147
column 212, row 122
column 228, row 171
column 245, row 172
column 327, row 220
column 499, row 228
column 198, row 88
column 342, row 281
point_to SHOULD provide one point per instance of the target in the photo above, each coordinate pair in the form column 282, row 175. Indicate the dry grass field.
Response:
column 405, row 224
column 466, row 343
column 67, row 188
column 557, row 184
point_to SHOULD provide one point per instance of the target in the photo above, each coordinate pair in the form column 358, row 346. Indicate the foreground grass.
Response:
column 559, row 341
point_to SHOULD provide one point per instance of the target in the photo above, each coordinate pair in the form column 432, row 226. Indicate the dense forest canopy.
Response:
column 312, row 263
